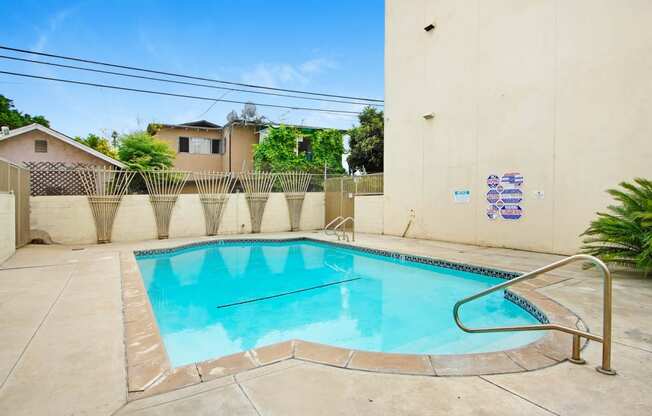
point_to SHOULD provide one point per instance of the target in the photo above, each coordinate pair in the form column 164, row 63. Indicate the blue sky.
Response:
column 325, row 46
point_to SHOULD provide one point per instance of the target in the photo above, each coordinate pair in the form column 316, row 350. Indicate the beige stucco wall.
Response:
column 21, row 149
column 7, row 226
column 242, row 139
column 68, row 219
column 559, row 91
column 369, row 216
column 190, row 161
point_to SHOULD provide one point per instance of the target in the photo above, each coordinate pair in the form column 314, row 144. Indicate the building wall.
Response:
column 21, row 149
column 241, row 153
column 369, row 216
column 7, row 226
column 68, row 219
column 558, row 91
column 191, row 161
column 242, row 140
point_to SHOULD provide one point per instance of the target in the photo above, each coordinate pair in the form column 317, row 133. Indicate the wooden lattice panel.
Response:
column 55, row 178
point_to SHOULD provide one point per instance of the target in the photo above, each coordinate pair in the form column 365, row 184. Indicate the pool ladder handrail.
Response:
column 326, row 229
column 605, row 339
column 341, row 234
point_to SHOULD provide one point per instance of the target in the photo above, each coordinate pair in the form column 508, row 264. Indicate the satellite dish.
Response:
column 232, row 116
column 249, row 110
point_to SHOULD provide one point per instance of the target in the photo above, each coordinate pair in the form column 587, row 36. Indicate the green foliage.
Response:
column 327, row 148
column 367, row 142
column 140, row 151
column 13, row 118
column 623, row 235
column 277, row 153
column 98, row 143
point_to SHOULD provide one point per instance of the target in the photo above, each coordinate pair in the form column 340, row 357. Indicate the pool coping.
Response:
column 149, row 371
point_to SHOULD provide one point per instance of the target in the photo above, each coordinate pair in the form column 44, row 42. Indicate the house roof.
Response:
column 63, row 138
column 201, row 123
column 192, row 125
column 266, row 124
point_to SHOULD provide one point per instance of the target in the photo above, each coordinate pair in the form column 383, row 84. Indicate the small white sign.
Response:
column 538, row 194
column 462, row 196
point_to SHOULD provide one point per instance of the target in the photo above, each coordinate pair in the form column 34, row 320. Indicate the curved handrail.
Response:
column 338, row 218
column 605, row 339
column 344, row 221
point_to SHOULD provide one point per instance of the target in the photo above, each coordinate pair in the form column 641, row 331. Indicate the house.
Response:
column 205, row 146
column 37, row 143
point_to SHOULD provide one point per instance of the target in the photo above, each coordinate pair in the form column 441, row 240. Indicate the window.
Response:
column 184, row 146
column 41, row 146
column 218, row 146
column 201, row 145
column 304, row 145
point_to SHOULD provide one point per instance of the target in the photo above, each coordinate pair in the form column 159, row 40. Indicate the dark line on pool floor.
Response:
column 286, row 293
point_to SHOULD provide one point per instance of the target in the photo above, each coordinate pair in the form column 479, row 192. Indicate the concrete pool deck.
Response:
column 63, row 348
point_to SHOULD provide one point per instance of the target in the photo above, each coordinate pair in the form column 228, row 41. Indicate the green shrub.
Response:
column 623, row 235
column 141, row 151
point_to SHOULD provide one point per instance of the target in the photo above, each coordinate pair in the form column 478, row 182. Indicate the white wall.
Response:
column 68, row 219
column 559, row 91
column 7, row 226
column 369, row 214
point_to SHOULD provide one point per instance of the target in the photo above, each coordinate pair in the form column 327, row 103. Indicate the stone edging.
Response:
column 149, row 371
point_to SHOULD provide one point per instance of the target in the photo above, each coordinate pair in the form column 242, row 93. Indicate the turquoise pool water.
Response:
column 216, row 300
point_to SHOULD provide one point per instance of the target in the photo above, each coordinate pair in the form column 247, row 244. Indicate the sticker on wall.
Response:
column 462, row 196
column 505, row 196
column 492, row 212
column 512, row 196
column 512, row 178
column 493, row 181
column 493, row 196
column 511, row 212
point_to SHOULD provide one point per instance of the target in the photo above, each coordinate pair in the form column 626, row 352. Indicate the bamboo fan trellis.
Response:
column 214, row 191
column 257, row 186
column 104, row 188
column 164, row 187
column 295, row 185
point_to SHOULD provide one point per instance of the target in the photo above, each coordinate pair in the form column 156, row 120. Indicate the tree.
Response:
column 140, row 151
column 14, row 119
column 98, row 143
column 327, row 148
column 623, row 235
column 277, row 152
column 366, row 142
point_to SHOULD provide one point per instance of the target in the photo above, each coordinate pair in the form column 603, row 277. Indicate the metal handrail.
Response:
column 605, row 339
column 325, row 229
column 344, row 221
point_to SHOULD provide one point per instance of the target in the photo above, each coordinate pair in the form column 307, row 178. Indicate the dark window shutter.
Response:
column 215, row 146
column 184, row 145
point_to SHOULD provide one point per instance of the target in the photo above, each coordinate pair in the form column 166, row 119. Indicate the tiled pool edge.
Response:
column 149, row 371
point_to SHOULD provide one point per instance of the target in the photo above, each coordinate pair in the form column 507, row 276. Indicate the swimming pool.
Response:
column 212, row 300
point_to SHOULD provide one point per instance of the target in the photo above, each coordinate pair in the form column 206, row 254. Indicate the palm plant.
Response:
column 623, row 235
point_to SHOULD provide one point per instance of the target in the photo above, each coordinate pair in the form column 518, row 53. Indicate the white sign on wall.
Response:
column 462, row 196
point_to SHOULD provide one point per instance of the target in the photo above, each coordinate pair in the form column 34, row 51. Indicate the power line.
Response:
column 170, row 94
column 172, row 81
column 132, row 68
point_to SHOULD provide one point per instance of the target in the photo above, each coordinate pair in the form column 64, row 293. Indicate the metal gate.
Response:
column 15, row 179
column 340, row 193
